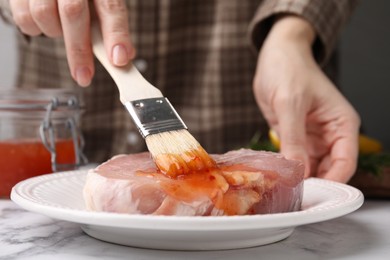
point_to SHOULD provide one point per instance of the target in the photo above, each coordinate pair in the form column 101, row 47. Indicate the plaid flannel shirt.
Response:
column 198, row 52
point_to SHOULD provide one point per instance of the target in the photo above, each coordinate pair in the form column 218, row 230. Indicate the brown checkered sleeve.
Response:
column 326, row 16
column 196, row 52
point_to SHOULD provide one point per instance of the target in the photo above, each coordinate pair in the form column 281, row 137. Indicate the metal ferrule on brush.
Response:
column 154, row 115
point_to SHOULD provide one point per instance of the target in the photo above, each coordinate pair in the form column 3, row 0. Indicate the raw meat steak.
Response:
column 245, row 182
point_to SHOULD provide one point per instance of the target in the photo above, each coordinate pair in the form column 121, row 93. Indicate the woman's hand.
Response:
column 315, row 123
column 71, row 20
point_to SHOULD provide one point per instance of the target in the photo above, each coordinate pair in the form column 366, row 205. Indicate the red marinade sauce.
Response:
column 22, row 159
column 207, row 182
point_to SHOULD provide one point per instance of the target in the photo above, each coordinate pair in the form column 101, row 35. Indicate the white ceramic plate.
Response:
column 60, row 196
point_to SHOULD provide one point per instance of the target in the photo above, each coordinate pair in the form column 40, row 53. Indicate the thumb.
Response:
column 292, row 135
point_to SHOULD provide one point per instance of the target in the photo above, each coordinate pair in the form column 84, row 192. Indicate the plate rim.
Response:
column 190, row 223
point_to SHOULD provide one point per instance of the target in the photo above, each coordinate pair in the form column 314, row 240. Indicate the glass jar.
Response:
column 39, row 134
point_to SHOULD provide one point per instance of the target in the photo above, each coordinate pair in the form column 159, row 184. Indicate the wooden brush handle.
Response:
column 131, row 84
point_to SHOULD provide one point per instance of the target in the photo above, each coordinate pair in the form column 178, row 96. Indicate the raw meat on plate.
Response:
column 245, row 182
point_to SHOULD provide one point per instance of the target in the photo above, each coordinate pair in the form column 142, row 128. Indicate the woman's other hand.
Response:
column 315, row 123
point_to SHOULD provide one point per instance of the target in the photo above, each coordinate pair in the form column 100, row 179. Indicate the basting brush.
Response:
column 174, row 150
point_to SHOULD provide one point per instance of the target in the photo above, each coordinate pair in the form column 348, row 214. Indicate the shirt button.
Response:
column 141, row 64
column 133, row 138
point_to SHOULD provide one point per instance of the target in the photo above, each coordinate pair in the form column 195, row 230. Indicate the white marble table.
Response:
column 364, row 234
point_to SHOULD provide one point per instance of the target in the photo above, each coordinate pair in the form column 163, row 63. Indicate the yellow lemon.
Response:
column 367, row 145
column 274, row 138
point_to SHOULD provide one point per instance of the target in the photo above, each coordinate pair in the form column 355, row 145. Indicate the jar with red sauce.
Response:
column 39, row 134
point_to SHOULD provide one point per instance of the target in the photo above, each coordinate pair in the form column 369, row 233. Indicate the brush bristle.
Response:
column 176, row 142
column 178, row 152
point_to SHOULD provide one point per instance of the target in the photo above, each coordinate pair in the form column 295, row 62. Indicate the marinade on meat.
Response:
column 244, row 182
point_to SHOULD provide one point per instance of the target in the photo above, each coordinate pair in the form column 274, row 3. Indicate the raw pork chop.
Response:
column 245, row 182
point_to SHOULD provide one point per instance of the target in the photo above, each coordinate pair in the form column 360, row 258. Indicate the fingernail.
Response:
column 83, row 76
column 119, row 55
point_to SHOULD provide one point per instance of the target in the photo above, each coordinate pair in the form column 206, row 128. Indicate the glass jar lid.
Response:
column 36, row 103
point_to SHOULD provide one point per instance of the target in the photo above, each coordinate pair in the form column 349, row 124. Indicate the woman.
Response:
column 199, row 54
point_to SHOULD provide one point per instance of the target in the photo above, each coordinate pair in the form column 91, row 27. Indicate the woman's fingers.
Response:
column 22, row 17
column 75, row 21
column 71, row 18
column 291, row 115
column 112, row 15
column 53, row 18
column 341, row 162
column 45, row 15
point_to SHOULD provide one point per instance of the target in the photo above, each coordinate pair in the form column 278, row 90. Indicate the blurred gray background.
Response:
column 365, row 69
column 364, row 65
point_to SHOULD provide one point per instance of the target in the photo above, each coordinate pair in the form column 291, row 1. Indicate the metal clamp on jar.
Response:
column 39, row 134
